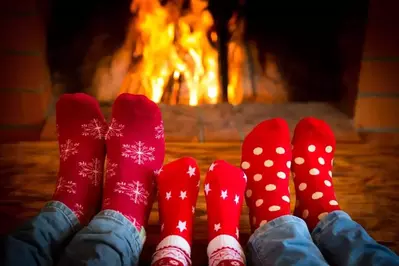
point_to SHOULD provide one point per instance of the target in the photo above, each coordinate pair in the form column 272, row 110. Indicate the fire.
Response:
column 175, row 53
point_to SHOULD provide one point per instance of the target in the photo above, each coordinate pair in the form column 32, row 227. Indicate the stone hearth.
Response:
column 225, row 122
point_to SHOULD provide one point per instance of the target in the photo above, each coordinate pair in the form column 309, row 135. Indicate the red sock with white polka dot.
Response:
column 178, row 186
column 80, row 128
column 313, row 153
column 224, row 191
column 135, row 151
column 266, row 160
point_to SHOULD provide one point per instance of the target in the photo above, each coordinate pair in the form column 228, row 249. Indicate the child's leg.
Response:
column 279, row 238
column 224, row 192
column 178, row 186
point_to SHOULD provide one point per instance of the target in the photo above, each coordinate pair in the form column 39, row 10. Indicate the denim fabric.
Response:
column 41, row 240
column 336, row 240
column 109, row 239
column 342, row 241
column 52, row 238
column 283, row 241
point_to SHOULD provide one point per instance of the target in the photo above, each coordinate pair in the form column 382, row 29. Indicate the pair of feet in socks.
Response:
column 134, row 143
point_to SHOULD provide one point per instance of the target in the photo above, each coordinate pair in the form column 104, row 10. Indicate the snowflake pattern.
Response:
column 134, row 221
column 92, row 170
column 159, row 131
column 139, row 152
column 67, row 149
column 106, row 202
column 78, row 210
column 135, row 191
column 95, row 128
column 111, row 169
column 114, row 129
column 67, row 186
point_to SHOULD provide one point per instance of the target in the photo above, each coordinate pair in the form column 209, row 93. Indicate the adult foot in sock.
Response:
column 314, row 146
column 224, row 192
column 135, row 151
column 266, row 161
column 177, row 197
column 81, row 130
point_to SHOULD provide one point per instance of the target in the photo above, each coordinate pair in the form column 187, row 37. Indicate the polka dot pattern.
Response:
column 312, row 167
column 267, row 158
column 270, row 187
column 257, row 177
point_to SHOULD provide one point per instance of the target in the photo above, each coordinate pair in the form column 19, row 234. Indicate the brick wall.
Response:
column 377, row 106
column 24, row 78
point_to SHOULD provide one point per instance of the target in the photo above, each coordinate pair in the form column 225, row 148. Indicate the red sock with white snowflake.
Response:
column 313, row 153
column 177, row 196
column 80, row 128
column 224, row 191
column 266, row 160
column 135, row 151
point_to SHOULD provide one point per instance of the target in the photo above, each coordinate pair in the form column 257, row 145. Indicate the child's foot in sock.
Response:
column 313, row 153
column 135, row 151
column 224, row 191
column 177, row 197
column 266, row 161
column 81, row 130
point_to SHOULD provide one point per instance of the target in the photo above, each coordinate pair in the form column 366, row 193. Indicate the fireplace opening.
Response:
column 195, row 52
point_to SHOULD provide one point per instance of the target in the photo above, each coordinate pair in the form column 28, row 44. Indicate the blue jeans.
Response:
column 336, row 240
column 53, row 238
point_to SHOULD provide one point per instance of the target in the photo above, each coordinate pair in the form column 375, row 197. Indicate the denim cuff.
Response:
column 64, row 210
column 280, row 221
column 122, row 220
column 328, row 222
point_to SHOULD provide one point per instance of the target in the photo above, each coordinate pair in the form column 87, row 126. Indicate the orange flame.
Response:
column 175, row 45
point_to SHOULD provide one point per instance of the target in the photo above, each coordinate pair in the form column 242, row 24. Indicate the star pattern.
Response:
column 217, row 227
column 212, row 166
column 182, row 226
column 183, row 195
column 191, row 171
column 168, row 195
column 236, row 199
column 207, row 189
column 223, row 194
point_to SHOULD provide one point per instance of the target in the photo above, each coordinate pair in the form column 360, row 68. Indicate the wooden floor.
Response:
column 366, row 179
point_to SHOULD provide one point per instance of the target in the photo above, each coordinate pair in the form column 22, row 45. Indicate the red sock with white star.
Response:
column 266, row 160
column 178, row 185
column 224, row 191
column 135, row 150
column 314, row 146
column 80, row 128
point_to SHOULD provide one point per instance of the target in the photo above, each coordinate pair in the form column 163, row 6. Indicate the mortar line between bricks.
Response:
column 200, row 124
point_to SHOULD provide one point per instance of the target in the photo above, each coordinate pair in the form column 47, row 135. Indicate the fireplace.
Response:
column 216, row 67
column 195, row 52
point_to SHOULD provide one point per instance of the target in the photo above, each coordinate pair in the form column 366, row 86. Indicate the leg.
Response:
column 81, row 129
column 279, row 238
column 41, row 240
column 224, row 191
column 344, row 242
column 341, row 240
column 178, row 185
column 135, row 149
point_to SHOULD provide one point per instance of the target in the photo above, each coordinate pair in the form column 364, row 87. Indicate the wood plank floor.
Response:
column 366, row 178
